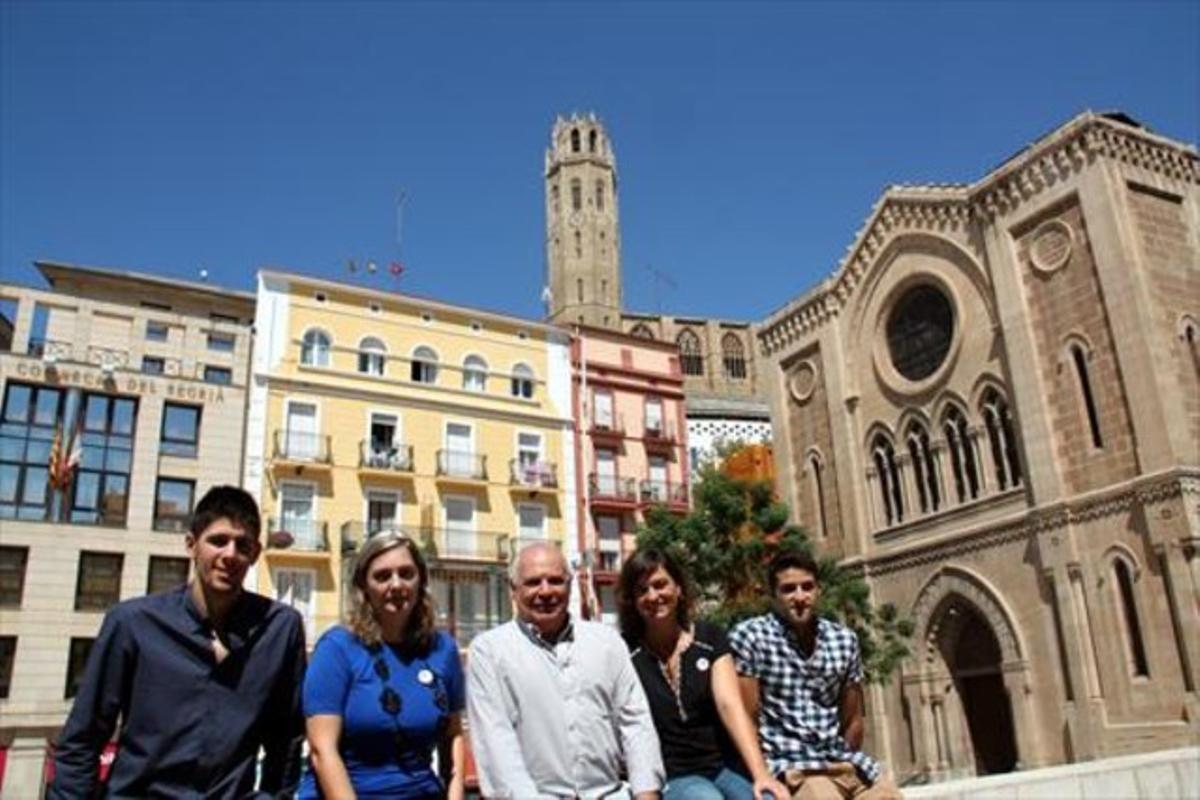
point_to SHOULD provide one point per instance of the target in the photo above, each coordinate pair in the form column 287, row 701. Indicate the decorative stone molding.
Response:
column 1051, row 246
column 931, row 618
column 803, row 381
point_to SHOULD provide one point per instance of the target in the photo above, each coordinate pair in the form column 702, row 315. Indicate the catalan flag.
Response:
column 64, row 459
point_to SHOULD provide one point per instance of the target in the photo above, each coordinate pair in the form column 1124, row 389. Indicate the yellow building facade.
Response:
column 374, row 411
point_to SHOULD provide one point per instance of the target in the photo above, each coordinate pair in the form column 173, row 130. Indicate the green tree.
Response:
column 725, row 543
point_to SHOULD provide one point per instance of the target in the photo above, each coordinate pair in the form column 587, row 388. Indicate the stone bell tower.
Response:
column 583, row 242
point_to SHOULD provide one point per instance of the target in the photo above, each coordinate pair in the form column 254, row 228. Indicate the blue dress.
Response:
column 387, row 751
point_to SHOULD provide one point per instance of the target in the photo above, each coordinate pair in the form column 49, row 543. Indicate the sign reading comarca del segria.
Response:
column 59, row 375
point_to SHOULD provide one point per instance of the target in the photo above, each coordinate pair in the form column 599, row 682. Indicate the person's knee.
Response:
column 691, row 787
column 818, row 787
column 882, row 789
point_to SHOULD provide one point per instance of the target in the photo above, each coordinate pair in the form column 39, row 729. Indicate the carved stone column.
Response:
column 1172, row 556
column 878, row 513
column 1026, row 731
column 904, row 471
column 985, row 466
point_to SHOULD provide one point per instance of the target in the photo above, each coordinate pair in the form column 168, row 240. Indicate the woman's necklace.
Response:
column 672, row 669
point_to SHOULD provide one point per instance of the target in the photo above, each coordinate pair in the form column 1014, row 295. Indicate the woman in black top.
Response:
column 688, row 674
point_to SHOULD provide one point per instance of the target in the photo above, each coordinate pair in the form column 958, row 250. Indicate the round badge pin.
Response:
column 425, row 677
column 702, row 664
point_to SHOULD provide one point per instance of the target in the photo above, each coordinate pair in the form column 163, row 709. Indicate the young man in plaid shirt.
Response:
column 802, row 674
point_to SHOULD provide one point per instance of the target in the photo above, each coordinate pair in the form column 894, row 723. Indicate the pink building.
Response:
column 631, row 452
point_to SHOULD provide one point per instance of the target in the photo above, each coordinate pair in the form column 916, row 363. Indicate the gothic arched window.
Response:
column 733, row 356
column 815, row 468
column 962, row 455
column 1129, row 613
column 592, row 142
column 641, row 331
column 314, row 348
column 929, row 494
column 372, row 354
column 575, row 140
column 1000, row 436
column 691, row 359
column 884, row 457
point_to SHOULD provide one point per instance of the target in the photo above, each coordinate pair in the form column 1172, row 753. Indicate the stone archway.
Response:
column 969, row 688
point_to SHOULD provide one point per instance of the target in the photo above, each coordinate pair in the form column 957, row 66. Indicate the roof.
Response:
column 53, row 271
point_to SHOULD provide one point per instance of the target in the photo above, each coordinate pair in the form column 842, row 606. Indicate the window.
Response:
column 221, row 342
column 460, row 451
column 578, row 244
column 99, row 582
column 382, row 511
column 962, row 455
column 383, row 439
column 296, row 588
column 297, row 516
column 691, row 359
column 180, row 430
column 606, row 473
column 554, row 198
column 152, row 365
column 8, row 654
column 1000, row 436
column 657, row 488
column 1085, row 389
column 301, row 439
column 424, row 365
column 576, row 195
column 314, row 349
column 602, row 412
column 1133, row 627
column 13, row 561
column 522, row 382
column 475, row 371
column 226, row 318
column 818, row 491
column 157, row 331
column 575, row 140
column 460, row 526
column 924, row 469
column 101, row 488
column 654, row 417
column 28, row 423
column 372, row 355
column 77, row 657
column 531, row 521
column 173, row 504
column 919, row 332
column 222, row 376
column 165, row 574
column 579, row 292
column 591, row 141
column 734, row 357
column 599, row 194
column 884, row 457
column 530, row 469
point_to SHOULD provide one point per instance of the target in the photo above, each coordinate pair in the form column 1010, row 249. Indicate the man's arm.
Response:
column 284, row 736
column 850, row 707
column 748, row 687
column 635, row 725
column 494, row 741
column 95, row 711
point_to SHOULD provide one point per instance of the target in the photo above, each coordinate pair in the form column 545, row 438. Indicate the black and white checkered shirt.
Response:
column 800, row 697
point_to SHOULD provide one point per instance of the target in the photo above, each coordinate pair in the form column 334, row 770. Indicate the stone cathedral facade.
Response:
column 992, row 409
column 583, row 286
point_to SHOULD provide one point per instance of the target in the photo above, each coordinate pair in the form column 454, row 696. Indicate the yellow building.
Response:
column 372, row 410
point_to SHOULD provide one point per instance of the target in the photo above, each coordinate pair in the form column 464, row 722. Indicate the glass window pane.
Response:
column 122, row 417
column 118, row 460
column 38, row 452
column 12, row 449
column 9, row 473
column 34, row 490
column 16, row 403
column 180, row 423
column 174, row 500
column 87, row 490
column 166, row 573
column 95, row 415
column 47, row 407
column 92, row 458
column 116, row 487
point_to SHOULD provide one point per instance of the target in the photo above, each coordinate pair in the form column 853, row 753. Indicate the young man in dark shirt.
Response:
column 199, row 679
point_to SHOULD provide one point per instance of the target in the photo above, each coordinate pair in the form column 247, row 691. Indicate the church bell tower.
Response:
column 583, row 244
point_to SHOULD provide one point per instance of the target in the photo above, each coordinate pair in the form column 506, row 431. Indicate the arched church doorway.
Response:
column 972, row 656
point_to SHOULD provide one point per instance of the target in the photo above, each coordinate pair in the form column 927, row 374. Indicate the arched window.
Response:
column 475, row 374
column 929, row 494
column 592, row 142
column 575, row 140
column 578, row 245
column 576, row 195
column 641, row 331
column 1190, row 339
column 962, row 455
column 1000, row 436
column 314, row 349
column 889, row 480
column 554, row 197
column 424, row 365
column 599, row 194
column 1129, row 613
column 522, row 382
column 372, row 354
column 815, row 469
column 579, row 289
column 691, row 359
column 733, row 356
column 1080, row 359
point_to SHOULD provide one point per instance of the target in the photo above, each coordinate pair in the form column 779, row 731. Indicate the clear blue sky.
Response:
column 752, row 139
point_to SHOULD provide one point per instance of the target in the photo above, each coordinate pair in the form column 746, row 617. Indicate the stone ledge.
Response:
column 1154, row 776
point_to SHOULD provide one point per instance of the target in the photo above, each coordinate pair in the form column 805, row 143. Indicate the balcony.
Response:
column 608, row 427
column 610, row 490
column 461, row 466
column 673, row 495
column 294, row 448
column 532, row 475
column 300, row 536
column 385, row 460
column 659, row 434
column 437, row 544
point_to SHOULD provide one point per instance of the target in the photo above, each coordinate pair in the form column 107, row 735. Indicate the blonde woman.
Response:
column 385, row 690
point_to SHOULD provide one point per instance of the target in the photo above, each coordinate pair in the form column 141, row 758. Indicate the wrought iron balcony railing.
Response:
column 611, row 487
column 291, row 533
column 302, row 446
column 652, row 491
column 533, row 474
column 462, row 464
column 381, row 455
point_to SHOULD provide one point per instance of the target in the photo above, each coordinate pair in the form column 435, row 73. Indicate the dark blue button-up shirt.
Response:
column 190, row 727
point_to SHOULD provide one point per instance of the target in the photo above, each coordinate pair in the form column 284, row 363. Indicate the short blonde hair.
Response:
column 418, row 634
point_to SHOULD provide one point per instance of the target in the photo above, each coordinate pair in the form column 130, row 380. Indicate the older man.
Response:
column 555, row 707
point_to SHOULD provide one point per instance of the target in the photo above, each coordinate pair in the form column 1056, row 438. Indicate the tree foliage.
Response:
column 725, row 543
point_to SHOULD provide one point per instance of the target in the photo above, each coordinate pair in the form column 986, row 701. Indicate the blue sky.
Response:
column 752, row 139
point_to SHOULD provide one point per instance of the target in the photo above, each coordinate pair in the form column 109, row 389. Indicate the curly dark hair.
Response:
column 418, row 635
column 638, row 567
